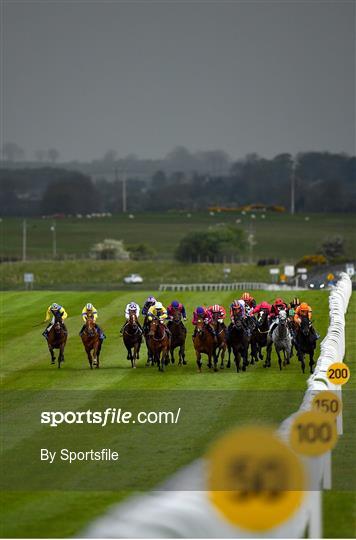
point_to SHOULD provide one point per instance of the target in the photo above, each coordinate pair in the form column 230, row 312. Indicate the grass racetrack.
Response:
column 25, row 365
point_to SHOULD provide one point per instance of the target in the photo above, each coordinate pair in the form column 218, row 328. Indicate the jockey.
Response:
column 250, row 302
column 146, row 306
column 205, row 314
column 56, row 311
column 176, row 306
column 304, row 310
column 293, row 306
column 218, row 310
column 277, row 306
column 131, row 306
column 157, row 310
column 237, row 307
column 172, row 308
column 89, row 311
column 149, row 303
column 263, row 306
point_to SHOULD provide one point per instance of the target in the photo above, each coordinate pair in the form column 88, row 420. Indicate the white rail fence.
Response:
column 177, row 511
column 236, row 286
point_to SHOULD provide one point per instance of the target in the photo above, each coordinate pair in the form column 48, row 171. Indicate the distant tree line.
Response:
column 324, row 182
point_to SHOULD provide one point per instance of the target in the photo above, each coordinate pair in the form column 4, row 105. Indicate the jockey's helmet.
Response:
column 246, row 296
column 158, row 305
column 235, row 303
column 55, row 306
column 304, row 306
column 132, row 305
column 89, row 307
column 175, row 304
column 200, row 310
column 264, row 305
column 151, row 299
column 216, row 308
column 296, row 301
column 279, row 302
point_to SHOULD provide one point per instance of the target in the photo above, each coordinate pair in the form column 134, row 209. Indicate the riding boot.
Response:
column 102, row 336
column 46, row 332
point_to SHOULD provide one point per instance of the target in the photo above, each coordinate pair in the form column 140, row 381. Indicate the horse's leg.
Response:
column 53, row 358
column 259, row 347
column 215, row 359
column 301, row 360
column 311, row 361
column 268, row 356
column 90, row 360
column 228, row 364
column 199, row 362
column 172, row 355
column 222, row 357
column 237, row 359
column 279, row 358
column 60, row 356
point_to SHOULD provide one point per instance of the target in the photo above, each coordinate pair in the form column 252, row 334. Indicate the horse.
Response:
column 282, row 340
column 259, row 335
column 238, row 341
column 57, row 339
column 132, row 337
column 305, row 342
column 91, row 341
column 221, row 334
column 178, row 337
column 204, row 343
column 158, row 341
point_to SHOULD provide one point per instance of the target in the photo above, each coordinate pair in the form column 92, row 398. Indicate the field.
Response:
column 277, row 235
column 258, row 395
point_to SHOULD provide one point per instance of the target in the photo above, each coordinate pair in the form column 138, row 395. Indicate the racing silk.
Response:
column 89, row 313
column 61, row 311
column 206, row 317
column 127, row 310
column 303, row 312
column 161, row 313
column 146, row 307
column 240, row 308
column 266, row 307
column 221, row 311
column 276, row 308
column 251, row 303
column 180, row 308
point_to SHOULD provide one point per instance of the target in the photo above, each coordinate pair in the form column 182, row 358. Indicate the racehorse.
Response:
column 221, row 334
column 305, row 342
column 259, row 335
column 282, row 340
column 158, row 342
column 91, row 341
column 57, row 339
column 204, row 343
column 238, row 341
column 178, row 337
column 132, row 336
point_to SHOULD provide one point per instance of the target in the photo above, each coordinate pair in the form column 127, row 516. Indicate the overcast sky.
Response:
column 143, row 77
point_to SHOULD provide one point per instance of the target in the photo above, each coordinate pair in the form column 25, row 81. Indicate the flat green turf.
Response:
column 278, row 235
column 25, row 366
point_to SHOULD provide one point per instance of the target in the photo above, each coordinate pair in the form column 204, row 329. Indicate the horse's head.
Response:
column 305, row 325
column 90, row 325
column 132, row 317
column 262, row 317
column 177, row 315
column 282, row 317
column 58, row 323
column 199, row 326
column 238, row 319
column 155, row 325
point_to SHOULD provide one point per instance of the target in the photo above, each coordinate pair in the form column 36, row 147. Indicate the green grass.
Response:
column 25, row 367
column 279, row 235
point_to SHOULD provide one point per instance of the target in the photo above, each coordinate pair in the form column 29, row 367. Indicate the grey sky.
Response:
column 143, row 77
